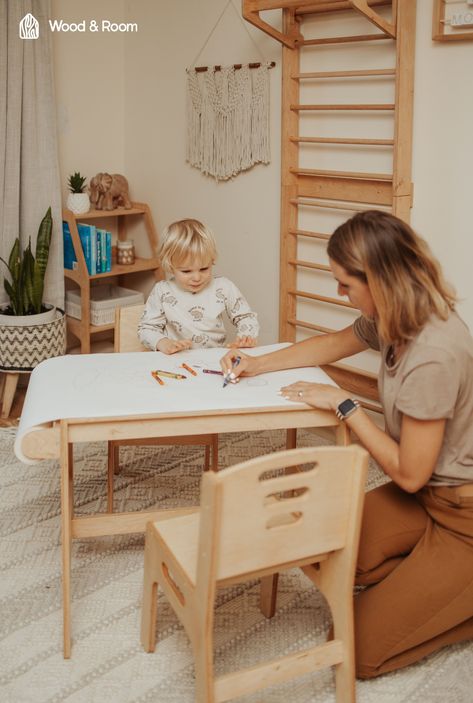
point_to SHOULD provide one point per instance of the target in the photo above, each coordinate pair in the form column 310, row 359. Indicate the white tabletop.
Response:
column 117, row 385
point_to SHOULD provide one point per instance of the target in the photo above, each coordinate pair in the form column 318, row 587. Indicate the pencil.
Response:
column 188, row 368
column 168, row 374
column 219, row 373
column 156, row 378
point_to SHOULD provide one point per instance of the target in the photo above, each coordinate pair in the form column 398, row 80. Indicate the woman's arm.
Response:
column 410, row 463
column 315, row 351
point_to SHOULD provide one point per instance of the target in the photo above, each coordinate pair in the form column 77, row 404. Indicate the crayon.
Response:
column 168, row 374
column 219, row 373
column 226, row 378
column 188, row 368
column 156, row 378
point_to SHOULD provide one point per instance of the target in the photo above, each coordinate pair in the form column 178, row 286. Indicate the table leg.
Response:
column 342, row 435
column 67, row 472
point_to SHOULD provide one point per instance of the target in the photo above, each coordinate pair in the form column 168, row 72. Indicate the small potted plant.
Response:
column 77, row 201
column 30, row 330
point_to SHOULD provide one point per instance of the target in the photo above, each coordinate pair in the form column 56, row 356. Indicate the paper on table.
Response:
column 116, row 385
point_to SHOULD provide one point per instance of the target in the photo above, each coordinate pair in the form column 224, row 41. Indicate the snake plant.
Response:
column 25, row 289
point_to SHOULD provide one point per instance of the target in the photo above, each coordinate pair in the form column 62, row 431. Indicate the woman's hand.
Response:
column 171, row 346
column 247, row 366
column 320, row 395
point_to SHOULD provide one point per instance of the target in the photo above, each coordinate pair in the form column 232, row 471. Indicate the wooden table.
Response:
column 55, row 438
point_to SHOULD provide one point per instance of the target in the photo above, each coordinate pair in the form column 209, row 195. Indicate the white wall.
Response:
column 121, row 106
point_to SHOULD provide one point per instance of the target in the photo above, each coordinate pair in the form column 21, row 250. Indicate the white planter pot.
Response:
column 78, row 203
column 26, row 340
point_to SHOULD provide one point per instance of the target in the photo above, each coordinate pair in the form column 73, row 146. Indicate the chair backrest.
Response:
column 255, row 517
column 126, row 329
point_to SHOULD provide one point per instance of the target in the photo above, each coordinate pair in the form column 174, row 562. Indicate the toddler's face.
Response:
column 193, row 275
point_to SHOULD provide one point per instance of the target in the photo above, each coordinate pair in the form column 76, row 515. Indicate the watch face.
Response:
column 346, row 406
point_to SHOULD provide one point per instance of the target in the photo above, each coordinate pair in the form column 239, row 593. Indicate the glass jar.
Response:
column 125, row 252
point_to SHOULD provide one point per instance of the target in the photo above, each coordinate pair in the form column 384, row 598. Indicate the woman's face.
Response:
column 357, row 292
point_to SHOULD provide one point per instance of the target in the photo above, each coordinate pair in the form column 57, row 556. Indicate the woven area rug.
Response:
column 107, row 661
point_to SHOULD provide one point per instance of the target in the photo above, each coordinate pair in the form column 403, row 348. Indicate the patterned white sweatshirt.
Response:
column 178, row 314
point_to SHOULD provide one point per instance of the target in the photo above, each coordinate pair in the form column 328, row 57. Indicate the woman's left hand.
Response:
column 320, row 395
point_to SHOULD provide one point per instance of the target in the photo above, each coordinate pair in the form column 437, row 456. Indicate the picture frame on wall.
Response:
column 452, row 20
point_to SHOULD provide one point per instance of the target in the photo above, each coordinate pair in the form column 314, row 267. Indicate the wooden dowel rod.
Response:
column 306, row 233
column 310, row 326
column 342, row 140
column 335, row 6
column 321, row 298
column 342, row 40
column 343, row 174
column 345, row 74
column 309, row 265
column 338, row 206
column 236, row 66
column 382, row 106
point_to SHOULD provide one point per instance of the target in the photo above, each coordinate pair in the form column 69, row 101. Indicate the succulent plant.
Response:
column 76, row 182
column 25, row 289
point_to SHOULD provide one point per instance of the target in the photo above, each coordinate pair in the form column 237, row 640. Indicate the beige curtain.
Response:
column 29, row 171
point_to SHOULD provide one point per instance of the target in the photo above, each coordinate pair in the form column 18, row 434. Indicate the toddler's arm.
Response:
column 242, row 316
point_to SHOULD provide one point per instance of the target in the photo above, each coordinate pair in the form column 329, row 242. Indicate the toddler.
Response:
column 186, row 310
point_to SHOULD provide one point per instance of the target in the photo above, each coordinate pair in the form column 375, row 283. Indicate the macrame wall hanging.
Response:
column 227, row 115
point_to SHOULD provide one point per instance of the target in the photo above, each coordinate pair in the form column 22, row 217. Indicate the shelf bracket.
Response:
column 364, row 9
column 250, row 10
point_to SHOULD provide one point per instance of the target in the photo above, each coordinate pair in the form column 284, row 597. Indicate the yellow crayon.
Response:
column 168, row 374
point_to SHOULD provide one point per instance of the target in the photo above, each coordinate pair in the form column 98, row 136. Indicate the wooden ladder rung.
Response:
column 307, row 233
column 338, row 205
column 334, row 6
column 348, row 107
column 342, row 140
column 309, row 265
column 321, row 298
column 310, row 326
column 342, row 174
column 343, row 40
column 345, row 74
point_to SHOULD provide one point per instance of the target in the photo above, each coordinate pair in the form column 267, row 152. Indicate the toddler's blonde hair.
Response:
column 184, row 239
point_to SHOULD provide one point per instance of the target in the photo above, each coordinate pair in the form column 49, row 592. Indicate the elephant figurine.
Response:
column 108, row 192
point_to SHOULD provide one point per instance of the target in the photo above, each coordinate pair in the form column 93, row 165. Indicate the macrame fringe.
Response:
column 228, row 120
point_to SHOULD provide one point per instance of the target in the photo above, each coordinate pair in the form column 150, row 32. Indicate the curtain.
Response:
column 29, row 169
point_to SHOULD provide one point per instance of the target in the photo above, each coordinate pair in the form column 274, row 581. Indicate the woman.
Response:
column 416, row 547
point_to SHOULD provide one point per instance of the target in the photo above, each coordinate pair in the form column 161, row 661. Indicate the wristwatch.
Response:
column 346, row 408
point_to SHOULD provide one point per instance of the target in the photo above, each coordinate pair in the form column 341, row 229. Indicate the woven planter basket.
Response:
column 24, row 347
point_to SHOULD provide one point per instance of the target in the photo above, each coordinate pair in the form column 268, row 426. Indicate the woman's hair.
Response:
column 404, row 278
column 186, row 239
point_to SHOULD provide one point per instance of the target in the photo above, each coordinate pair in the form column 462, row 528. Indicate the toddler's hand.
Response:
column 171, row 346
column 242, row 342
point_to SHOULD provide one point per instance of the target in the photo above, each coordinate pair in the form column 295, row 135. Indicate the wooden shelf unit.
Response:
column 307, row 186
column 82, row 329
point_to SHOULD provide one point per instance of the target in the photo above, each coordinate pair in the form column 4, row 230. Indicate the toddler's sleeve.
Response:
column 240, row 313
column 152, row 326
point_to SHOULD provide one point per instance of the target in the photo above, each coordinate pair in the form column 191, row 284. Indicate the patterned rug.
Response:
column 107, row 661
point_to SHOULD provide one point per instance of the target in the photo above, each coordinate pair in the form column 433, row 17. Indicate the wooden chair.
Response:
column 126, row 340
column 252, row 523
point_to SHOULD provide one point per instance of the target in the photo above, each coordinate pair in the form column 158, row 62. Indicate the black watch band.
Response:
column 346, row 408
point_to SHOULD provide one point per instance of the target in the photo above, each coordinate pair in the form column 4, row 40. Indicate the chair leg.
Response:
column 207, row 457
column 343, row 629
column 204, row 674
column 110, row 475
column 268, row 595
column 149, row 608
column 9, row 390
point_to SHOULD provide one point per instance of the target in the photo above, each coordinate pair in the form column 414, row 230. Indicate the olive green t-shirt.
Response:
column 433, row 379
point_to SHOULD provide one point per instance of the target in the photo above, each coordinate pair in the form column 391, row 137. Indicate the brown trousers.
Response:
column 416, row 559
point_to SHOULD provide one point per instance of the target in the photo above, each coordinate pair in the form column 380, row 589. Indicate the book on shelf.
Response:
column 104, row 251
column 88, row 238
column 70, row 259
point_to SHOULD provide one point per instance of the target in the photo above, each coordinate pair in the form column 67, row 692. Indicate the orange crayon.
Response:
column 188, row 368
column 156, row 378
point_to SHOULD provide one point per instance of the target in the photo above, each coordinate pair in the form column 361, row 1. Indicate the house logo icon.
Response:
column 29, row 27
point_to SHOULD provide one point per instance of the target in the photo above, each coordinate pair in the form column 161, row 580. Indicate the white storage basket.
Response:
column 103, row 301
